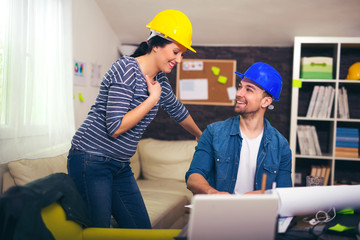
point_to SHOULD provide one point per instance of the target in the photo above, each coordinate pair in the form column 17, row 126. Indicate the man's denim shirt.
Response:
column 217, row 156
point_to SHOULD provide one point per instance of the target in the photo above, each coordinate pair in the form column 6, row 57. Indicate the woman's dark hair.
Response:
column 146, row 47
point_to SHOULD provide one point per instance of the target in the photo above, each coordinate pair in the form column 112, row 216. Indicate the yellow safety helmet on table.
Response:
column 354, row 72
column 175, row 25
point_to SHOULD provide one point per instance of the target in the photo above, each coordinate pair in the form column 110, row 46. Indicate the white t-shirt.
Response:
column 247, row 166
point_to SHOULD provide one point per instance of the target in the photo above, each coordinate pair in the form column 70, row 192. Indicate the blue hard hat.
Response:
column 266, row 77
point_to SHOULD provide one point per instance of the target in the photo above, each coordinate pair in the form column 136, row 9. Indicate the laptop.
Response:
column 230, row 217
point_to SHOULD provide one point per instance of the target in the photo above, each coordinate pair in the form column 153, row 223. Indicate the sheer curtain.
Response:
column 37, row 116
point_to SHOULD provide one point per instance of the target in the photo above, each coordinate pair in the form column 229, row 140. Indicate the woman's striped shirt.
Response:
column 123, row 88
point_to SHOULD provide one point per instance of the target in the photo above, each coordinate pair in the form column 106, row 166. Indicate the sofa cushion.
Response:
column 27, row 170
column 162, row 159
column 8, row 181
column 164, row 208
column 135, row 165
column 168, row 186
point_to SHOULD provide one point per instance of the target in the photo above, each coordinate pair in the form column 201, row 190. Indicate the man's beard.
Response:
column 247, row 114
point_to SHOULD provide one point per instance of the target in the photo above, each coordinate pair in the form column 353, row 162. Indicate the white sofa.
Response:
column 158, row 165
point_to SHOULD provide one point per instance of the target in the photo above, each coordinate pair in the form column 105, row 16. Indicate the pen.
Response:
column 263, row 183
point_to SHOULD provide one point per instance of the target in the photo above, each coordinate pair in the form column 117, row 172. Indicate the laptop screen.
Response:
column 233, row 217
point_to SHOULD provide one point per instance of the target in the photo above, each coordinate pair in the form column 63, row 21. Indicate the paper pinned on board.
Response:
column 95, row 75
column 193, row 89
column 193, row 65
column 231, row 93
column 79, row 73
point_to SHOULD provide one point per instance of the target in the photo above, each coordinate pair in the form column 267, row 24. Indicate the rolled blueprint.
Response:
column 308, row 200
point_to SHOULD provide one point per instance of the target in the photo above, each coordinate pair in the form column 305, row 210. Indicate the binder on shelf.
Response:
column 326, row 100
column 308, row 140
column 346, row 103
column 316, row 140
column 313, row 171
column 303, row 143
column 321, row 102
column 331, row 102
column 312, row 101
column 309, row 135
column 321, row 171
column 327, row 175
column 343, row 104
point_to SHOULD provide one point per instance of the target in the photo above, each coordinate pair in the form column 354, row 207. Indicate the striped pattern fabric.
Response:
column 123, row 88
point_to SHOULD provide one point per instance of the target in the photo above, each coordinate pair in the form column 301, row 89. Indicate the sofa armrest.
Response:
column 55, row 220
column 129, row 234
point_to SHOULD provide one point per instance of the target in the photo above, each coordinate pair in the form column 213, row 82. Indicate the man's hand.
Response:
column 214, row 191
column 197, row 184
column 255, row 192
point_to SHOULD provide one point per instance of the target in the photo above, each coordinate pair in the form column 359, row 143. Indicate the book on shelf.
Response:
column 347, row 132
column 346, row 152
column 347, row 149
column 347, row 137
column 347, row 144
column 321, row 102
column 308, row 140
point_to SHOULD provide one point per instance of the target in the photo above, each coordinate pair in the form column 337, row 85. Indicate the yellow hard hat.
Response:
column 354, row 72
column 175, row 25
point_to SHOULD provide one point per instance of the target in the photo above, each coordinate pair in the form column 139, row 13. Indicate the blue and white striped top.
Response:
column 123, row 88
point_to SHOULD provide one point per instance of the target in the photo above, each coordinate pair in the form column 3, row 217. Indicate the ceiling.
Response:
column 239, row 22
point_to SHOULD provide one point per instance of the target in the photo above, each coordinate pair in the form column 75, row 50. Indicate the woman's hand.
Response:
column 154, row 88
column 134, row 116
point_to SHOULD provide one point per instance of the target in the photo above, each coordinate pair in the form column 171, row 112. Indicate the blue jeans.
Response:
column 108, row 187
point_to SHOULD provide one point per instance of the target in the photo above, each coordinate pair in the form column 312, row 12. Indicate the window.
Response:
column 36, row 114
column 3, row 24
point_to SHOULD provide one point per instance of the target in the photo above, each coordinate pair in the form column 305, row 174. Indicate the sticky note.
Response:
column 222, row 79
column 347, row 211
column 215, row 70
column 81, row 98
column 340, row 228
column 297, row 83
column 73, row 95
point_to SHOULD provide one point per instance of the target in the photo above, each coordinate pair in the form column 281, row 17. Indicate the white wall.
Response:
column 94, row 42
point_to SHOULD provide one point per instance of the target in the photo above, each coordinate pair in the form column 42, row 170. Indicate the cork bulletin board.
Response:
column 206, row 82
